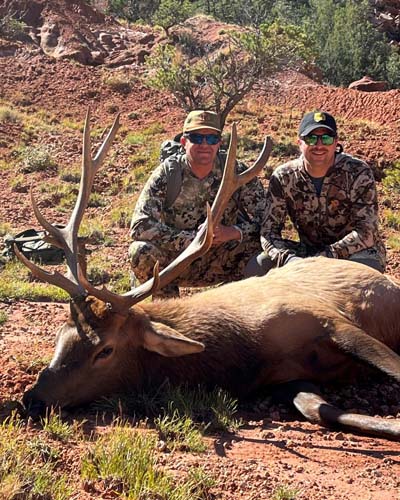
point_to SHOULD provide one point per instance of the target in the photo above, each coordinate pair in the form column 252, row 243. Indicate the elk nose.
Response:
column 34, row 407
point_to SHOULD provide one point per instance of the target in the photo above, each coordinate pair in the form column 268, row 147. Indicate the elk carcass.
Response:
column 315, row 320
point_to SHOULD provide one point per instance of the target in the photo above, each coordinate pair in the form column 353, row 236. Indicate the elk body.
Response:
column 314, row 320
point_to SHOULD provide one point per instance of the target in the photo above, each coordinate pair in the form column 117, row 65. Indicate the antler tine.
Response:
column 55, row 278
column 90, row 167
column 122, row 303
column 231, row 181
column 67, row 237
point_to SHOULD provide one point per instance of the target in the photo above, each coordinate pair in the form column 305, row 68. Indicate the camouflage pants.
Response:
column 221, row 264
column 262, row 263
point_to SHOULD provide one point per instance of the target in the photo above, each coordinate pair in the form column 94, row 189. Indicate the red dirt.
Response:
column 274, row 447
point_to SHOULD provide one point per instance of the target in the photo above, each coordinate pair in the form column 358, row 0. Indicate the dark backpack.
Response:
column 31, row 243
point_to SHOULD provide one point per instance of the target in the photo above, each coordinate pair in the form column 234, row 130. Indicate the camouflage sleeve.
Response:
column 274, row 219
column 148, row 220
column 364, row 218
column 252, row 202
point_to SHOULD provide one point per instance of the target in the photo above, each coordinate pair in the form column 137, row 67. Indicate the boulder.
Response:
column 367, row 84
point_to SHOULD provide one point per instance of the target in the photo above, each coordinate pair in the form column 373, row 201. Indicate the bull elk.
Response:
column 314, row 320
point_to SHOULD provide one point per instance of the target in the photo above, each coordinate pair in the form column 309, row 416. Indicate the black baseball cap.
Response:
column 317, row 119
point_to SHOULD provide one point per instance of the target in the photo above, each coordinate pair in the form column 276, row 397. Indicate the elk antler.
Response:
column 231, row 181
column 67, row 237
column 203, row 240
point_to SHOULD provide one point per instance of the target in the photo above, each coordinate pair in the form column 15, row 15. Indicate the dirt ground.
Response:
column 275, row 446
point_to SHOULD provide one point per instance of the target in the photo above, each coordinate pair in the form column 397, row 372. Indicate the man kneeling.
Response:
column 162, row 227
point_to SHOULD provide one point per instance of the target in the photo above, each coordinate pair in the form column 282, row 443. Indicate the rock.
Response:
column 367, row 84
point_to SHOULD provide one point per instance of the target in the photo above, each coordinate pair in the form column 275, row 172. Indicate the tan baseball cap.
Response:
column 198, row 119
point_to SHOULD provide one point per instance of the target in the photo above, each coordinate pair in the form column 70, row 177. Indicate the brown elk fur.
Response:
column 317, row 320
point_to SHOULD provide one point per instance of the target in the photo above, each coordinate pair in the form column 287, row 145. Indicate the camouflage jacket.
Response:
column 177, row 225
column 343, row 219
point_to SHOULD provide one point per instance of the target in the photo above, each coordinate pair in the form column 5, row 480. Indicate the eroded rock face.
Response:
column 72, row 29
column 367, row 84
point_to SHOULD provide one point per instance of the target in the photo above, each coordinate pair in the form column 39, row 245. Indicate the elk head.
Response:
column 98, row 349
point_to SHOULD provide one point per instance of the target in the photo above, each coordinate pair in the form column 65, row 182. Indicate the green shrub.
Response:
column 119, row 83
column 9, row 115
column 3, row 317
column 392, row 177
column 36, row 158
column 11, row 27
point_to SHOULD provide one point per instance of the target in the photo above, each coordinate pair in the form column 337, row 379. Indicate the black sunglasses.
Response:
column 211, row 139
column 312, row 139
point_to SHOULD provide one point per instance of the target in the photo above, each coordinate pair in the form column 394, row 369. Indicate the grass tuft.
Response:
column 179, row 432
column 15, row 284
column 126, row 462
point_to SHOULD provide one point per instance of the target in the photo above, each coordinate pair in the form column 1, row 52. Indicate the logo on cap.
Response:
column 319, row 117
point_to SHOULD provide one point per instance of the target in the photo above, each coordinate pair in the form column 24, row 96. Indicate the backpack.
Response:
column 31, row 243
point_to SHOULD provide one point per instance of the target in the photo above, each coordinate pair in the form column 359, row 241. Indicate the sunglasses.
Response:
column 312, row 139
column 211, row 139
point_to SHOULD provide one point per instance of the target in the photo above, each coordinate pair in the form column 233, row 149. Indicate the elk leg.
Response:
column 357, row 342
column 307, row 399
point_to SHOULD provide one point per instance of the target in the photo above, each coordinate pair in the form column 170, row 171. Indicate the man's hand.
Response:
column 222, row 234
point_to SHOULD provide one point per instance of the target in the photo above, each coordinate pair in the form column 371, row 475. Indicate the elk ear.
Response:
column 168, row 342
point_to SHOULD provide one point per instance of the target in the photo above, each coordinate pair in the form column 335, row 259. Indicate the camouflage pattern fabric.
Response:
column 221, row 264
column 168, row 231
column 342, row 221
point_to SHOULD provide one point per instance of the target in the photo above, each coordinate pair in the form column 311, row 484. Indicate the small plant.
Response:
column 97, row 200
column 28, row 466
column 97, row 275
column 11, row 27
column 56, row 428
column 119, row 83
column 120, row 282
column 134, row 139
column 9, row 115
column 95, row 232
column 392, row 177
column 18, row 184
column 125, row 459
column 283, row 492
column 5, row 228
column 393, row 242
column 285, row 149
column 3, row 317
column 72, row 175
column 179, row 432
column 72, row 125
column 36, row 158
column 122, row 212
column 392, row 219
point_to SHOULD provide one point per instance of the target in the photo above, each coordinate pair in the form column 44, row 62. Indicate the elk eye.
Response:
column 104, row 353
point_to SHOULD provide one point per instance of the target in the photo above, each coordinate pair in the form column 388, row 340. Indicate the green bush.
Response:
column 11, row 27
column 392, row 177
column 36, row 158
column 9, row 115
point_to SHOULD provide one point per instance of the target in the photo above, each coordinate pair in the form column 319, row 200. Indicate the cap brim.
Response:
column 192, row 129
column 310, row 128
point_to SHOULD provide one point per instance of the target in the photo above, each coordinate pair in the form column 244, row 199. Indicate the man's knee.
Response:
column 370, row 258
column 143, row 256
column 258, row 265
